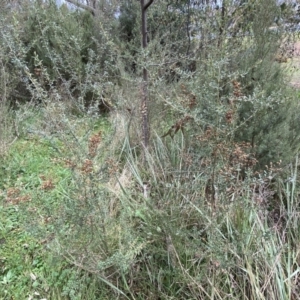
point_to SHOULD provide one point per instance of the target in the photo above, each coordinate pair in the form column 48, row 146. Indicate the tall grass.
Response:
column 232, row 249
column 159, row 233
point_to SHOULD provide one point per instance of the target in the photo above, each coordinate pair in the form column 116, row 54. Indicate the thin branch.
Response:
column 148, row 4
column 83, row 6
column 188, row 28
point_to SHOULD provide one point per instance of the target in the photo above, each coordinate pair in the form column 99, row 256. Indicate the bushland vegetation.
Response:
column 206, row 209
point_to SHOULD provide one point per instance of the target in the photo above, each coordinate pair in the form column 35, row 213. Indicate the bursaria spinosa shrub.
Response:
column 234, row 87
column 61, row 54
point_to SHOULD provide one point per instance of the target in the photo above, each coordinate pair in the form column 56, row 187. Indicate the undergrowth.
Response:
column 208, row 211
column 34, row 178
column 95, row 227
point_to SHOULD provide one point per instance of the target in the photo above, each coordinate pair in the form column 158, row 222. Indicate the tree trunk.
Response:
column 144, row 100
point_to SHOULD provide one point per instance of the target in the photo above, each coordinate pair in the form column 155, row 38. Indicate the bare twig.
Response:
column 83, row 6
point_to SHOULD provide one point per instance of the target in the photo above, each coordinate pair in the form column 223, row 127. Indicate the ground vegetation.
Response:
column 208, row 210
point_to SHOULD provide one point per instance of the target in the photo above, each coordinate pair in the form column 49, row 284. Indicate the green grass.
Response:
column 33, row 181
column 22, row 254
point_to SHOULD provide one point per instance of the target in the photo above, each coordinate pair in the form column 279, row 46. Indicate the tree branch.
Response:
column 83, row 6
column 148, row 4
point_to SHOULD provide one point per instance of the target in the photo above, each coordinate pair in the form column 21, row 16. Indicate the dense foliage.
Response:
column 208, row 211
